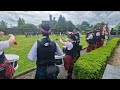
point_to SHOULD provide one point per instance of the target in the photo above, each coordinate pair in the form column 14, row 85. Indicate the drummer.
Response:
column 71, row 53
column 6, row 69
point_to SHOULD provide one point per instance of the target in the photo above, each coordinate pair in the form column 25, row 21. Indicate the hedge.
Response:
column 92, row 64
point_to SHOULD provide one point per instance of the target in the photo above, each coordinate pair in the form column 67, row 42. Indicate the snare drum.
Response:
column 59, row 59
column 12, row 58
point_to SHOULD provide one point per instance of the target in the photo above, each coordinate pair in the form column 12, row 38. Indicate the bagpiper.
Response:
column 91, row 42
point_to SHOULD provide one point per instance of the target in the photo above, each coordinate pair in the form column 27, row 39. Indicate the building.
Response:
column 51, row 22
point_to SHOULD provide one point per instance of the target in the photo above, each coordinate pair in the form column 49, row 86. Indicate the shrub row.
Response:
column 92, row 65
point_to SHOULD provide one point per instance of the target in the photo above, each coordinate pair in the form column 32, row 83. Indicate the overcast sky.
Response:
column 36, row 17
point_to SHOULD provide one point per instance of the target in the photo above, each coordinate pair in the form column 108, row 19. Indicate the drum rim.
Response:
column 60, row 55
column 17, row 57
column 15, row 60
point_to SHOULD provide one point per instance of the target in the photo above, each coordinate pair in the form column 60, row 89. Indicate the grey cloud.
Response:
column 36, row 17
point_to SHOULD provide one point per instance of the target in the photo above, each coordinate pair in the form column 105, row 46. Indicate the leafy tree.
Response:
column 3, row 25
column 61, row 24
column 20, row 22
column 99, row 24
column 117, row 27
column 85, row 25
column 70, row 25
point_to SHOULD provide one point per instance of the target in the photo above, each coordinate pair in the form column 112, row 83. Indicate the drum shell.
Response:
column 14, row 63
column 13, row 59
column 58, row 61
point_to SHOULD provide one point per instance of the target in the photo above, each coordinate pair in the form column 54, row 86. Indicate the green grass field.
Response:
column 23, row 47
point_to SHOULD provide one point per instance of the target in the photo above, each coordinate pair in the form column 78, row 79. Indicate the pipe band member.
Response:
column 70, row 53
column 98, row 42
column 43, row 52
column 6, row 69
column 102, row 38
column 78, row 37
column 91, row 42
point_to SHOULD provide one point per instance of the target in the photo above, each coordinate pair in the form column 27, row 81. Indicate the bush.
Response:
column 92, row 65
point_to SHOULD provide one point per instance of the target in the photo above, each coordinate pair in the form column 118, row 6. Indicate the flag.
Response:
column 107, row 28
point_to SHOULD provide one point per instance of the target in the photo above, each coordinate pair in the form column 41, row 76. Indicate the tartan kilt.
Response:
column 98, row 44
column 69, row 62
column 8, row 70
column 91, row 47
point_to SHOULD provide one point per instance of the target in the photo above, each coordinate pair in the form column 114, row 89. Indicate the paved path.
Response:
column 112, row 70
column 62, row 74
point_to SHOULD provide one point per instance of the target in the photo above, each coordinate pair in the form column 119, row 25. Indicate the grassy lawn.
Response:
column 23, row 47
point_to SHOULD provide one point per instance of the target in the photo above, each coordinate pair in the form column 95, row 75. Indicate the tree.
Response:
column 3, row 25
column 117, row 27
column 28, row 26
column 20, row 22
column 61, row 25
column 85, row 25
column 70, row 25
column 99, row 24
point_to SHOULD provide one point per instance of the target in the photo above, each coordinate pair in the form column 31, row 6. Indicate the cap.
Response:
column 45, row 27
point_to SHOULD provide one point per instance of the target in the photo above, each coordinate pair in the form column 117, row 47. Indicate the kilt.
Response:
column 98, row 44
column 91, row 47
column 8, row 70
column 69, row 62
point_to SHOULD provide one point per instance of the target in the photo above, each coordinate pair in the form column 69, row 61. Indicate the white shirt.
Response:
column 33, row 52
column 90, row 37
column 69, row 45
column 98, row 34
column 3, row 45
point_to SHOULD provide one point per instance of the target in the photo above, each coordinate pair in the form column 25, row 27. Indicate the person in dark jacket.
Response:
column 78, row 37
column 43, row 52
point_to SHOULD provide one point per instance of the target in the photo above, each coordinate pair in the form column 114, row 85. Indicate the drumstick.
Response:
column 14, row 41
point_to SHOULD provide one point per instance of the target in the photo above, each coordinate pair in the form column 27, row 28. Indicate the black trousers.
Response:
column 78, row 54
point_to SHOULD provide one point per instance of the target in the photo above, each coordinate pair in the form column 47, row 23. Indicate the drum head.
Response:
column 12, row 57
